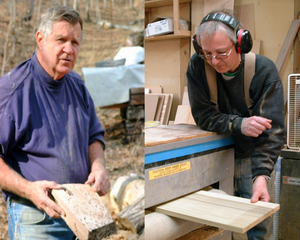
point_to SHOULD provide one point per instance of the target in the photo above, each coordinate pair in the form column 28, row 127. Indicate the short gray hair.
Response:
column 56, row 14
column 208, row 29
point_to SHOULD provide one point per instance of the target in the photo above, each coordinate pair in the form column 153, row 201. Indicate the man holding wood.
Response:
column 227, row 97
column 50, row 133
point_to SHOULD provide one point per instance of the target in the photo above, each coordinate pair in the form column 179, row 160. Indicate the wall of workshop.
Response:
column 272, row 21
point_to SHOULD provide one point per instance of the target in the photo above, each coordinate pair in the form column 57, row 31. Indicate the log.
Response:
column 86, row 215
column 132, row 217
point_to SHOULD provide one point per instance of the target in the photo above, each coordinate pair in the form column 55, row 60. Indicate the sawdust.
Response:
column 202, row 233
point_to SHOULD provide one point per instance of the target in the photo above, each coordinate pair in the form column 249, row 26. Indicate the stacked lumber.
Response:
column 157, row 104
column 183, row 113
column 135, row 114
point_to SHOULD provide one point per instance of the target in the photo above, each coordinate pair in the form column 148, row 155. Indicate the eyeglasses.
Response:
column 221, row 56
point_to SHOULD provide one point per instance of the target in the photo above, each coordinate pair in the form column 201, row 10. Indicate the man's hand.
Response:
column 100, row 181
column 98, row 176
column 39, row 194
column 260, row 190
column 254, row 126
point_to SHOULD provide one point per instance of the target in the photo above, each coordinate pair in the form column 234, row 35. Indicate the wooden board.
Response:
column 154, row 89
column 86, row 215
column 287, row 44
column 211, row 5
column 160, row 103
column 256, row 46
column 218, row 210
column 173, row 133
column 184, row 115
column 245, row 14
column 151, row 101
column 185, row 98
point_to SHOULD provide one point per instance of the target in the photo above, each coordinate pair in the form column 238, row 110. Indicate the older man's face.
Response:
column 58, row 52
column 217, row 44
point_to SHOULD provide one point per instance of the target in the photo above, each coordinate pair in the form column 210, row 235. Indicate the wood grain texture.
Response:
column 287, row 44
column 86, row 214
column 151, row 101
column 218, row 210
column 173, row 133
column 184, row 115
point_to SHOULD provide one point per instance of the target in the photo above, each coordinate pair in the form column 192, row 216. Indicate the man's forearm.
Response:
column 12, row 181
column 96, row 156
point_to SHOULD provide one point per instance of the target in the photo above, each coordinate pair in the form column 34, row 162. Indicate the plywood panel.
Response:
column 245, row 13
column 151, row 101
column 184, row 115
column 211, row 5
column 218, row 210
column 165, row 65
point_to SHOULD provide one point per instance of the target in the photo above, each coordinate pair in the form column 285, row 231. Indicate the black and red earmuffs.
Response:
column 244, row 40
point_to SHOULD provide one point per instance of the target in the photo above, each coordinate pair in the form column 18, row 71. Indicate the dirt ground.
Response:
column 120, row 25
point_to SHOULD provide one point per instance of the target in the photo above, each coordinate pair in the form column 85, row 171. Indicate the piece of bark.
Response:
column 86, row 214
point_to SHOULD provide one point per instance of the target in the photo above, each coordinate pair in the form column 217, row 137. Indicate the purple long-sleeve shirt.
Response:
column 46, row 125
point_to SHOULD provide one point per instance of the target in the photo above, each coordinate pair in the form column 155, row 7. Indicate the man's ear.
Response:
column 39, row 38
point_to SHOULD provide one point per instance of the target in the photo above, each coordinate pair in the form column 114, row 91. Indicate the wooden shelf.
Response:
column 181, row 34
column 162, row 3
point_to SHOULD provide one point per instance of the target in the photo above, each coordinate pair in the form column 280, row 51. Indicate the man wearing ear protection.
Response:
column 258, row 128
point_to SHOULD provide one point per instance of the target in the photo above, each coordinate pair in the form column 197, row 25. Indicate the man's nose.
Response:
column 214, row 60
column 68, row 48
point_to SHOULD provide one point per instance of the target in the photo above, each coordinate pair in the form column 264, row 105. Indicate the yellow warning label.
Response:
column 162, row 172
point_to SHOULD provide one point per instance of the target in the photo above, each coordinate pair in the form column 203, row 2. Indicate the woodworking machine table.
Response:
column 181, row 159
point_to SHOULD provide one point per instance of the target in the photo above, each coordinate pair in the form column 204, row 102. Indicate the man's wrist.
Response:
column 268, row 179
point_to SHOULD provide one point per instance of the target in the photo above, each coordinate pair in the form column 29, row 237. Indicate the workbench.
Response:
column 181, row 159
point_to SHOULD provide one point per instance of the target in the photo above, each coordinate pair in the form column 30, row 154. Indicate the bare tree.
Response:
column 75, row 2
column 98, row 12
column 87, row 15
column 9, row 36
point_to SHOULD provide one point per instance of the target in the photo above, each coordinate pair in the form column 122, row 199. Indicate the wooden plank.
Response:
column 256, row 46
column 86, row 214
column 160, row 103
column 166, row 109
column 173, row 133
column 185, row 98
column 211, row 5
column 287, row 44
column 151, row 101
column 154, row 89
column 245, row 14
column 184, row 115
column 218, row 210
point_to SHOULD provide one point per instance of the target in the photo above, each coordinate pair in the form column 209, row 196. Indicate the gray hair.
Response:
column 56, row 14
column 208, row 29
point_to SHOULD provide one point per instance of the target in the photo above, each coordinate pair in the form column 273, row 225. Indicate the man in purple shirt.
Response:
column 50, row 133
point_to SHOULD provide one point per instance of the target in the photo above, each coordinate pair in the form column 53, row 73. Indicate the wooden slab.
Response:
column 160, row 103
column 151, row 101
column 86, row 215
column 185, row 98
column 219, row 210
column 245, row 14
column 173, row 133
column 287, row 44
column 211, row 5
column 184, row 115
